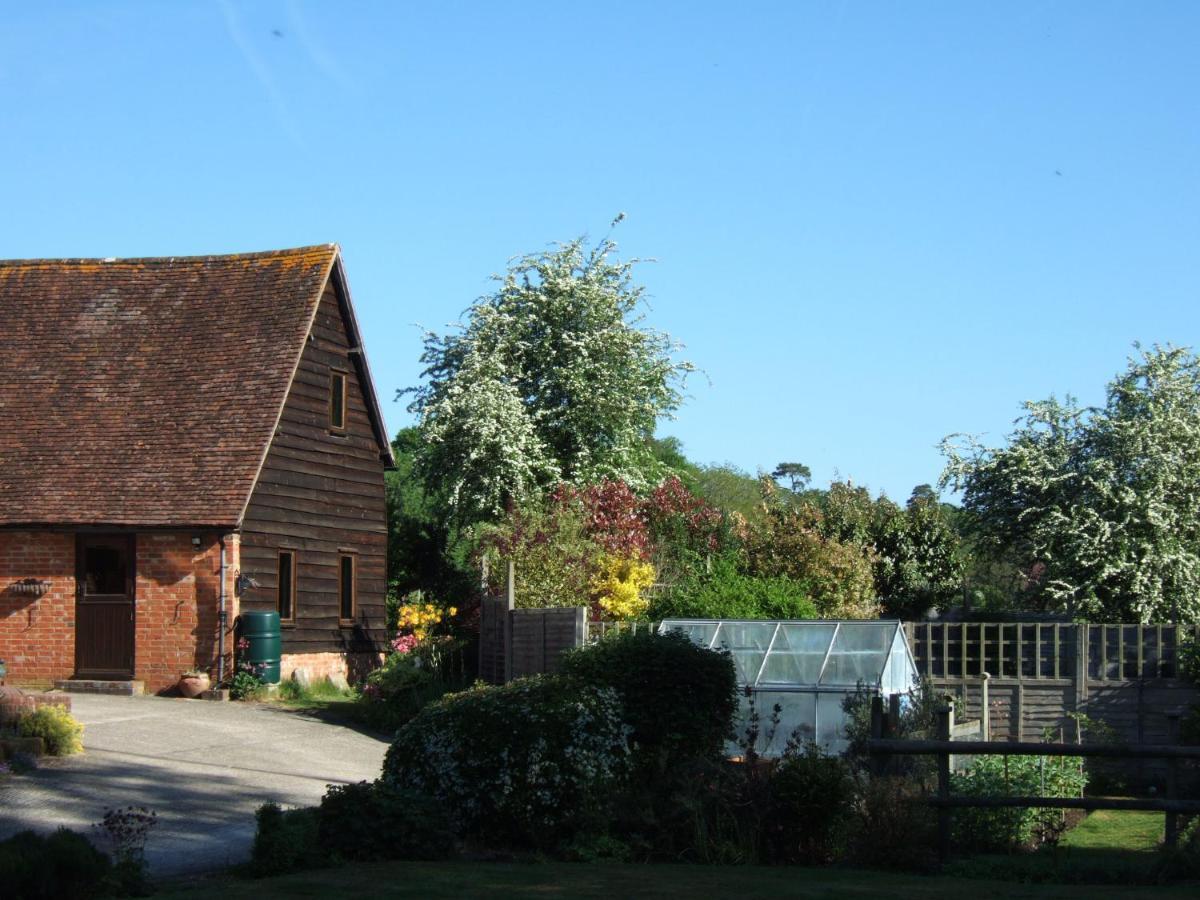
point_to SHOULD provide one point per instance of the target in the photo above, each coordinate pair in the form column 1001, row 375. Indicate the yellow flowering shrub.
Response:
column 418, row 618
column 618, row 584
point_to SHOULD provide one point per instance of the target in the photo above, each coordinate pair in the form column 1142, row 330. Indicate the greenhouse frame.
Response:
column 808, row 668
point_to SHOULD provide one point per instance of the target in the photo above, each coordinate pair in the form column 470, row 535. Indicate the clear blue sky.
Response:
column 875, row 223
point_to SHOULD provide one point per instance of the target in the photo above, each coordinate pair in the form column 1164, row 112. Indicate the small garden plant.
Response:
column 58, row 729
column 125, row 831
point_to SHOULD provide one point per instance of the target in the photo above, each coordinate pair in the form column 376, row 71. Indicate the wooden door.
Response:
column 104, row 606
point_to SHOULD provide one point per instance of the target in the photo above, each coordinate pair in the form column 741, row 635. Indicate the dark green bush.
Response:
column 678, row 697
column 379, row 821
column 812, row 800
column 725, row 593
column 532, row 763
column 894, row 827
column 1183, row 860
column 286, row 840
column 1188, row 656
column 60, row 866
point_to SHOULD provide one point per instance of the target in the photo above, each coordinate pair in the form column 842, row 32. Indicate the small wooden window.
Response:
column 337, row 401
column 287, row 586
column 347, row 588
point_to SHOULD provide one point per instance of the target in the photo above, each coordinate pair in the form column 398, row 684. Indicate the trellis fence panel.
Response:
column 1040, row 673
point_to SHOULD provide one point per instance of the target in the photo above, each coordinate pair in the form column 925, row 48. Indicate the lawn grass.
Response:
column 1107, row 847
column 611, row 881
column 318, row 695
column 1122, row 830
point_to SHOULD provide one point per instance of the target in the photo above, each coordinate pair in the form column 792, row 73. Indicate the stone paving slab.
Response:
column 203, row 767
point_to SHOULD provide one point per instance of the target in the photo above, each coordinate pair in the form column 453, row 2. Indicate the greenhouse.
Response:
column 808, row 668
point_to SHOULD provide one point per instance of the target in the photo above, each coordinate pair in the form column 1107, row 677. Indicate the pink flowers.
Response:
column 405, row 643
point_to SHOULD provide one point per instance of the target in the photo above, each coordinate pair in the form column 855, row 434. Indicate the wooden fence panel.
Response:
column 493, row 639
column 514, row 643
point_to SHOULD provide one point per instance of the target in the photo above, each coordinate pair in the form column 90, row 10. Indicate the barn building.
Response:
column 183, row 439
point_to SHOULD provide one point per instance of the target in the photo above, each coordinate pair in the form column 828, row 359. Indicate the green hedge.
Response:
column 678, row 697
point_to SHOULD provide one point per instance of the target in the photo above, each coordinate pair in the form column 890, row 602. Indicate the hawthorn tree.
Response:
column 553, row 378
column 1101, row 506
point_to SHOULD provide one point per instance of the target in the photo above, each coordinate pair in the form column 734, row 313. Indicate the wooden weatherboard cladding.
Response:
column 321, row 494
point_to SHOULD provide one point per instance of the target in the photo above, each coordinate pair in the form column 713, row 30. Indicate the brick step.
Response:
column 92, row 686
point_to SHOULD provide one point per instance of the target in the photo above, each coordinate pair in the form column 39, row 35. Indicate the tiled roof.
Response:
column 146, row 391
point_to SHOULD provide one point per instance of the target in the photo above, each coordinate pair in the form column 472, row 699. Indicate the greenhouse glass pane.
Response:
column 797, row 654
column 859, row 653
column 795, row 716
column 904, row 672
column 831, row 722
column 746, row 635
column 747, row 663
column 700, row 632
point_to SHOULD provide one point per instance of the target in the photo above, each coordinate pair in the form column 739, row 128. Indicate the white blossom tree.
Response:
column 553, row 377
column 1101, row 505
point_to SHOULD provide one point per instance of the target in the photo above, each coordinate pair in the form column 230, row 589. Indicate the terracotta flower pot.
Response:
column 194, row 685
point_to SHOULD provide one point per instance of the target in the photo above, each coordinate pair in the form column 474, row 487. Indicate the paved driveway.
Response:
column 203, row 767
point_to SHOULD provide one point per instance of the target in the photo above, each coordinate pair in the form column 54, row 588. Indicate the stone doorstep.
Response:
column 90, row 686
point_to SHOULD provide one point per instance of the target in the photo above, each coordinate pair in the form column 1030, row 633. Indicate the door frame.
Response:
column 82, row 539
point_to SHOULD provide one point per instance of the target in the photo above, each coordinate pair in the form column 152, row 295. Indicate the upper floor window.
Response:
column 337, row 401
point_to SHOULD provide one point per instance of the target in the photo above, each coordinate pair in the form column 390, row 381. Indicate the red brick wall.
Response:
column 177, row 601
column 37, row 634
column 352, row 666
column 176, row 616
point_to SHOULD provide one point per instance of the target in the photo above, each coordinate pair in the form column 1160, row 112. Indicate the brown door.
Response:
column 104, row 606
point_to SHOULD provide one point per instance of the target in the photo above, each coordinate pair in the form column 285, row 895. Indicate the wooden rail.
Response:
column 881, row 746
column 1031, row 748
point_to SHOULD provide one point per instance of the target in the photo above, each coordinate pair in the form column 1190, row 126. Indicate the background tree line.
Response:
column 536, row 442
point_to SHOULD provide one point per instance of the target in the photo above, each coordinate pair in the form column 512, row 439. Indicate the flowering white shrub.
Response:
column 531, row 762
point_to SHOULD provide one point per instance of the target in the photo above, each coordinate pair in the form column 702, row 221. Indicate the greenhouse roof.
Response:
column 809, row 654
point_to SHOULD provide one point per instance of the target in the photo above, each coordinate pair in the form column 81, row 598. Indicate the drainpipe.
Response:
column 222, row 617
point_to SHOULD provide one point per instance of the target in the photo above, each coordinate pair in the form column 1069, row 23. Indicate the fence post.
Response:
column 1172, row 827
column 1082, row 647
column 943, row 724
column 985, row 712
column 510, row 595
column 877, row 759
column 581, row 626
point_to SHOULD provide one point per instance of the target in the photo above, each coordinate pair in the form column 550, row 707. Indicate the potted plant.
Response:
column 193, row 683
